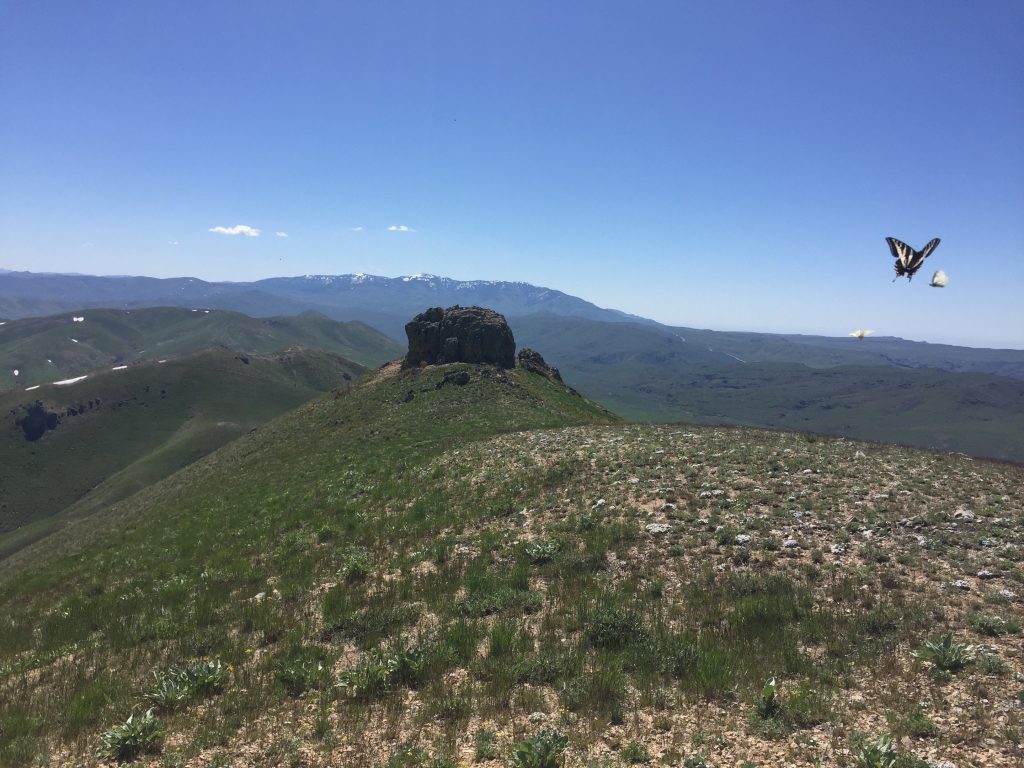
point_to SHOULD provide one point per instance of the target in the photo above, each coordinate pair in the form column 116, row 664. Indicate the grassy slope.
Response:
column 651, row 375
column 460, row 575
column 139, row 425
column 42, row 349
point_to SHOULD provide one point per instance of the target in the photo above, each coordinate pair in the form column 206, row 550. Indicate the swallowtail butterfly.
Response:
column 908, row 261
column 939, row 280
column 860, row 334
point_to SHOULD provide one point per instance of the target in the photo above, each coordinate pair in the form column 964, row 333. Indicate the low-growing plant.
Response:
column 876, row 754
column 543, row 551
column 484, row 745
column 545, row 749
column 300, row 669
column 635, row 753
column 767, row 705
column 946, row 654
column 136, row 736
column 993, row 626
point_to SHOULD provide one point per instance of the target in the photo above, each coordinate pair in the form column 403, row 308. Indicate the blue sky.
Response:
column 727, row 165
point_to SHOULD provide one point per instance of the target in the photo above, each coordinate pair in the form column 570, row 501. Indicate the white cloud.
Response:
column 173, row 242
column 280, row 234
column 238, row 229
column 400, row 228
column 357, row 229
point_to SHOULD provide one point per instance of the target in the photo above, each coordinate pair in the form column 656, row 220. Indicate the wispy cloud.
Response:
column 400, row 228
column 173, row 242
column 280, row 234
column 357, row 229
column 238, row 229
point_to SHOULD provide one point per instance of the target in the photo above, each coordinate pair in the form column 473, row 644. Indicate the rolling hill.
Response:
column 498, row 566
column 58, row 347
column 69, row 449
column 657, row 374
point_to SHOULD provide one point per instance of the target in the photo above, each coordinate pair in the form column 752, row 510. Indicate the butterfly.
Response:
column 908, row 261
column 939, row 280
column 860, row 333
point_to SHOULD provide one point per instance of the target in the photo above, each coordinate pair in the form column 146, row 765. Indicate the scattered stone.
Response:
column 667, row 506
column 743, row 538
column 599, row 503
column 790, row 544
column 837, row 549
column 537, row 717
column 961, row 585
column 985, row 573
column 658, row 527
column 1009, row 594
column 964, row 514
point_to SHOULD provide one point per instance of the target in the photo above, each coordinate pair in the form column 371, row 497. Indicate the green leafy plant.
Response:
column 484, row 746
column 137, row 735
column 946, row 654
column 545, row 749
column 876, row 754
column 635, row 753
column 768, row 701
column 993, row 626
column 300, row 669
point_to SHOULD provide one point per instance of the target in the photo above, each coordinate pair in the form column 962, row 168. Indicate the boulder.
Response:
column 459, row 335
column 531, row 360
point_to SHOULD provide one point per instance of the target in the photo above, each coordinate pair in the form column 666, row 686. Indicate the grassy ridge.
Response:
column 53, row 348
column 121, row 430
column 402, row 575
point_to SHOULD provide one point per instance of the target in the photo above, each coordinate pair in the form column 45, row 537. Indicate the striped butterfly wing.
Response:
column 908, row 261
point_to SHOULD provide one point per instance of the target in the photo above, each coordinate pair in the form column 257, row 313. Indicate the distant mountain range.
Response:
column 386, row 303
column 880, row 388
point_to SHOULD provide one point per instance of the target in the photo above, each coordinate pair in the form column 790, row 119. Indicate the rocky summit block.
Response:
column 459, row 335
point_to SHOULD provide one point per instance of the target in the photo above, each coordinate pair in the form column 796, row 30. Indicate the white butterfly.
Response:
column 939, row 280
column 860, row 334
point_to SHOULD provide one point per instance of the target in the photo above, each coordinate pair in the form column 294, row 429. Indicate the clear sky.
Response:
column 726, row 165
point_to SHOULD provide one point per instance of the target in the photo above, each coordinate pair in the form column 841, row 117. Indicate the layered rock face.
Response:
column 531, row 360
column 459, row 335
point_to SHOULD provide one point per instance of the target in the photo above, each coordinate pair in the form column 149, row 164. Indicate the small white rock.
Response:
column 790, row 544
column 961, row 584
column 742, row 538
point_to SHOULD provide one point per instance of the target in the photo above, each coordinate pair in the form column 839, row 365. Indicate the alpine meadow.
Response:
column 511, row 385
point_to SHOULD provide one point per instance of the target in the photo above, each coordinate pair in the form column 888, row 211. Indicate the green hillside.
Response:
column 58, row 347
column 430, row 571
column 117, row 431
column 652, row 374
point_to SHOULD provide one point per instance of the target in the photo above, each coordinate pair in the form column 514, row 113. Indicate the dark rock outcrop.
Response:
column 530, row 360
column 459, row 335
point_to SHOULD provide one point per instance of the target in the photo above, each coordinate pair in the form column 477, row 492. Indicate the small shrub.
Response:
column 136, row 736
column 635, row 753
column 484, row 746
column 545, row 749
column 993, row 626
